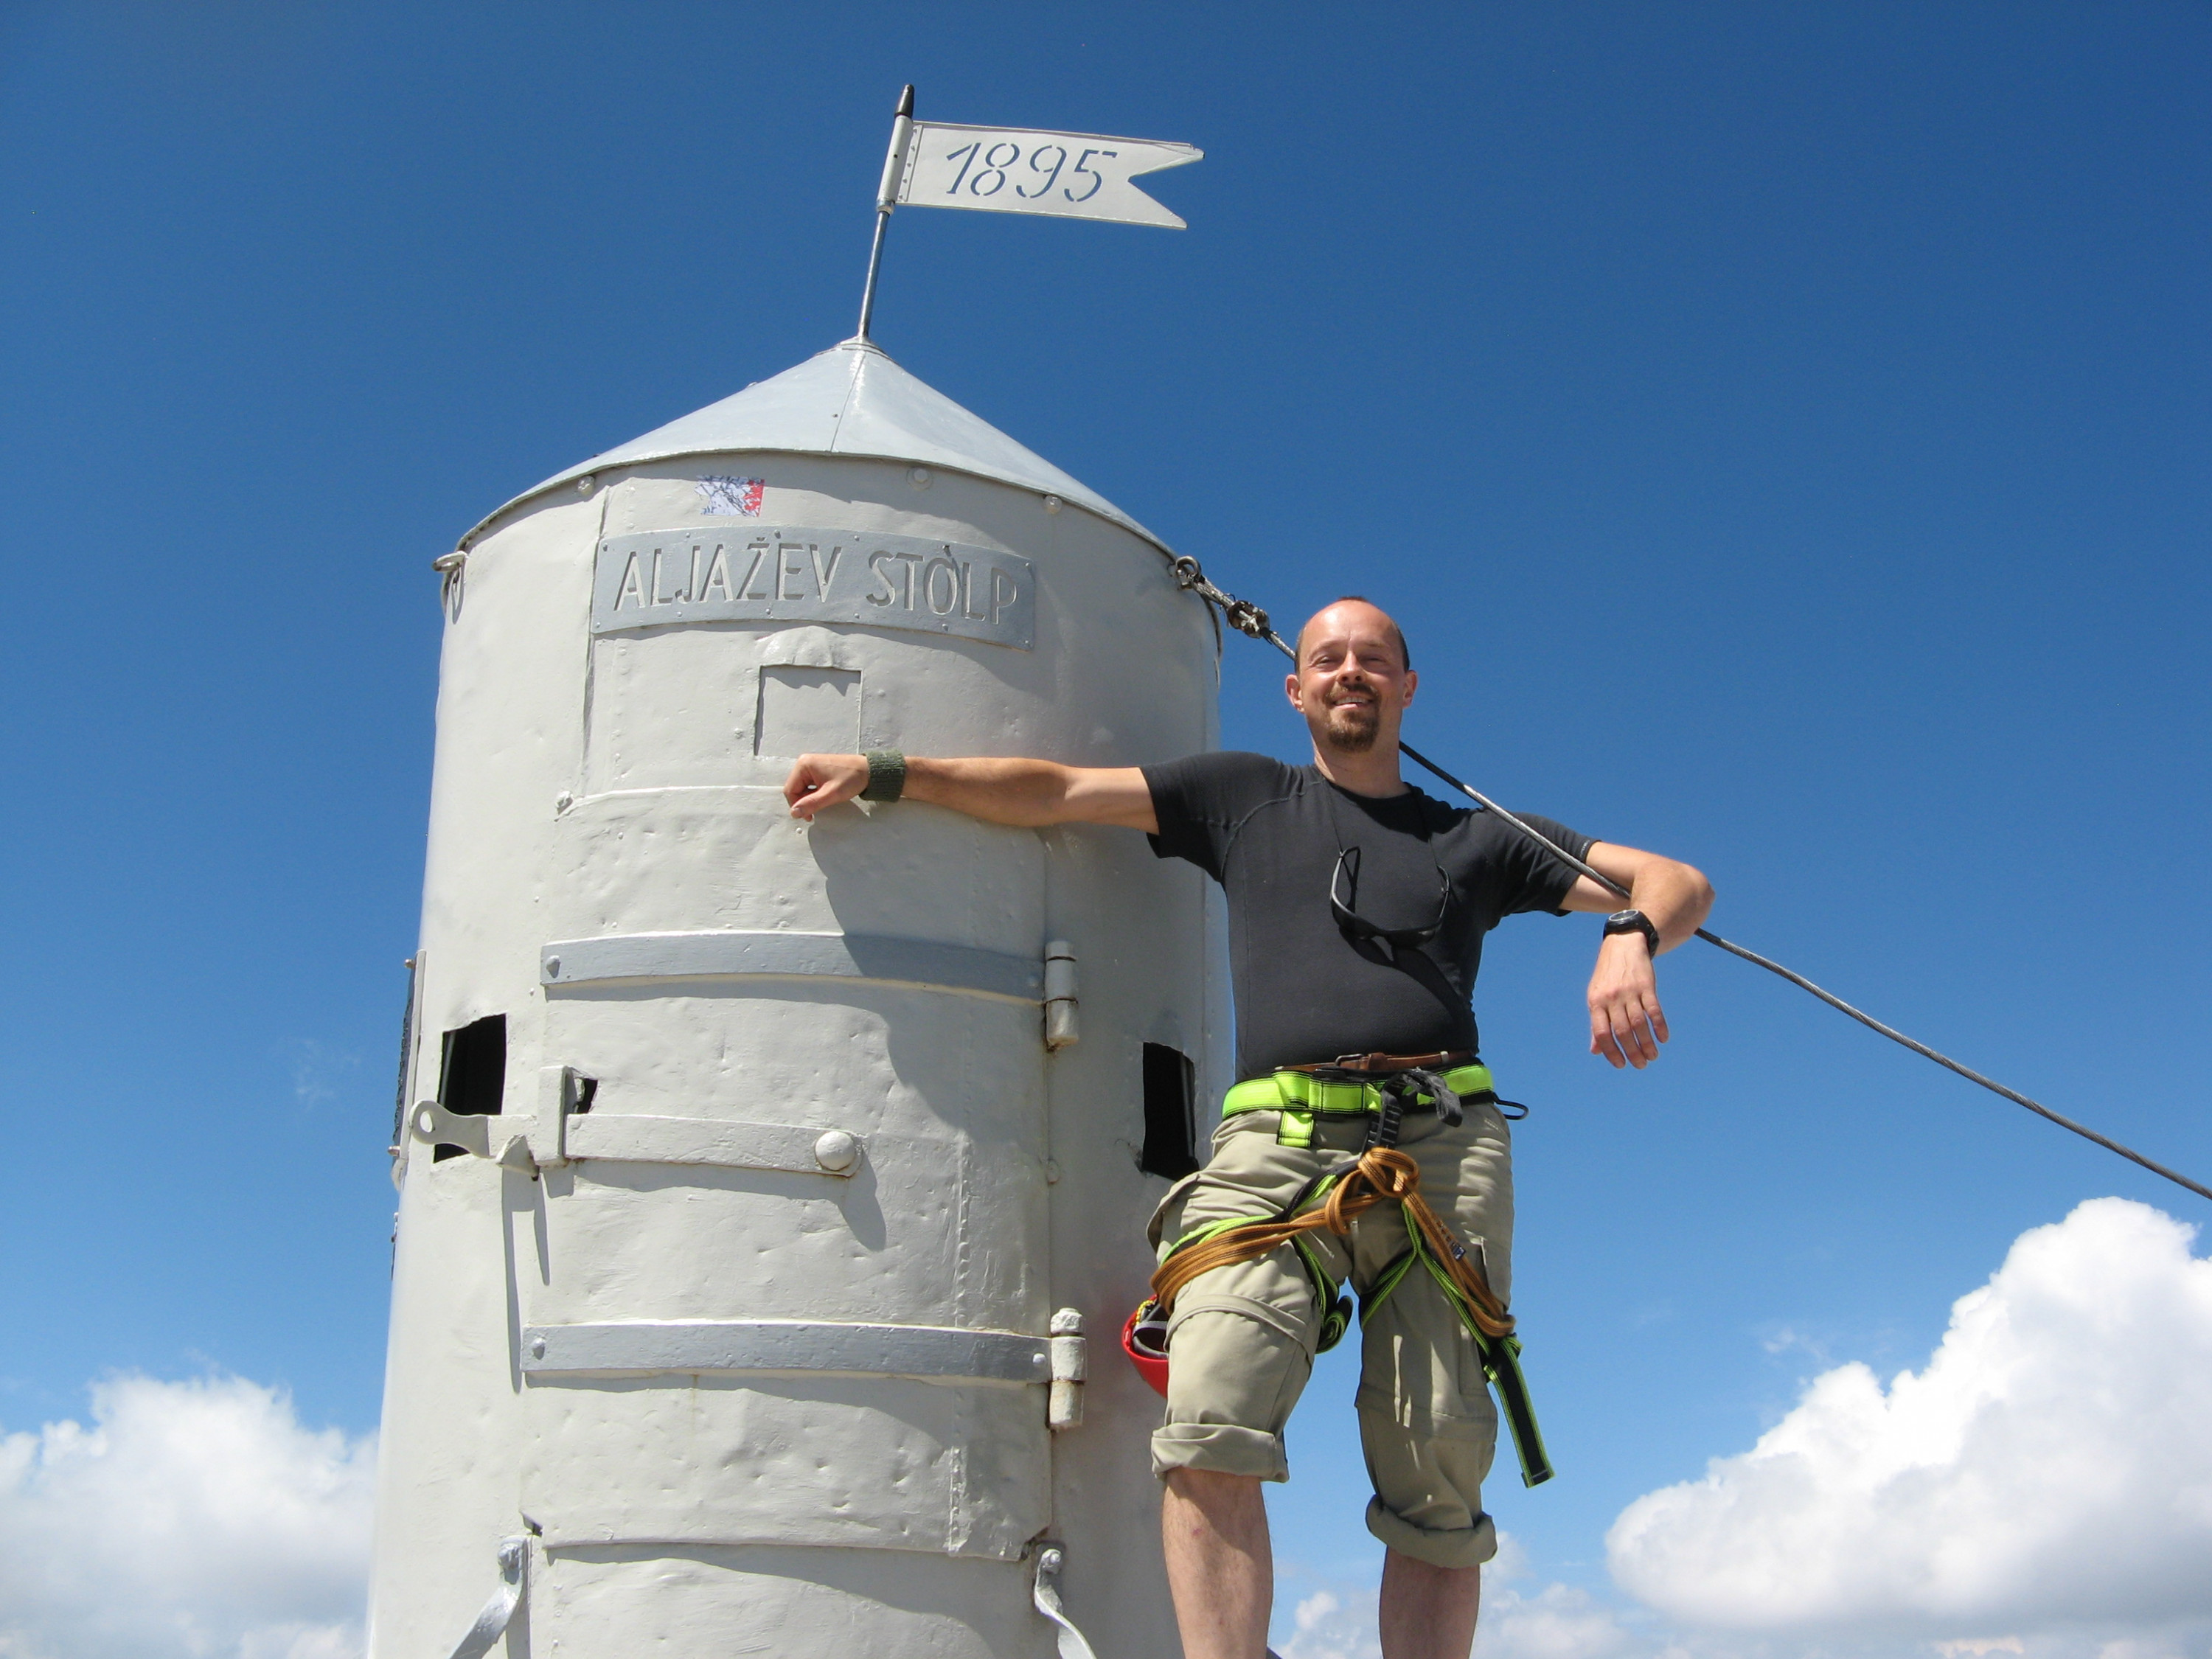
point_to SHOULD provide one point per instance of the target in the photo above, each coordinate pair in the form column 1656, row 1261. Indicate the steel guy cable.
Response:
column 1250, row 619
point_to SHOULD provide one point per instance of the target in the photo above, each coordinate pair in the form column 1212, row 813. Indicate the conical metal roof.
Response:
column 849, row 400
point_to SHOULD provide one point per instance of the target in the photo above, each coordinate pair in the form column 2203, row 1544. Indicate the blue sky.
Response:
column 1782, row 430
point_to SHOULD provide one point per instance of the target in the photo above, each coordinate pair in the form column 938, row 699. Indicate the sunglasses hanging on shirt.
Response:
column 1347, row 876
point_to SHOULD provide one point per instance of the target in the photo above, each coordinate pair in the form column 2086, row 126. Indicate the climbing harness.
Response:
column 1250, row 619
column 1332, row 1201
column 1302, row 1093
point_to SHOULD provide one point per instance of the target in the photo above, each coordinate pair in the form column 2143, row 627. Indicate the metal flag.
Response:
column 1074, row 175
column 1070, row 175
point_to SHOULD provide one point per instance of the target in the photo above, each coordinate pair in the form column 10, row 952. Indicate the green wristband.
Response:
column 886, row 775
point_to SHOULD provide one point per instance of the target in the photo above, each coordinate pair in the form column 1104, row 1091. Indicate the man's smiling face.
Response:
column 1351, row 684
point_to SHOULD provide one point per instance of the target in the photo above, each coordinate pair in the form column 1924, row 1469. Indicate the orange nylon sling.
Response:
column 1382, row 1173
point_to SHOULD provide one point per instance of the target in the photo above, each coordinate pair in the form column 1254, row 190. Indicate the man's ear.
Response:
column 1291, row 690
column 1412, row 680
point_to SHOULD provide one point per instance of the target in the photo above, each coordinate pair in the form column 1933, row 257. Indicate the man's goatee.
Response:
column 1354, row 737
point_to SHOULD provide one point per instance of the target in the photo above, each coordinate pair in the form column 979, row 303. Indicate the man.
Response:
column 1357, row 906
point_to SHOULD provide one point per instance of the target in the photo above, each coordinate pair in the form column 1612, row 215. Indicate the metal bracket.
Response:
column 504, row 1140
column 1071, row 1366
column 492, row 1622
column 928, row 963
column 634, row 1137
column 940, row 1353
column 1061, row 1026
column 559, row 1133
column 559, row 1091
column 452, row 575
column 1045, row 1594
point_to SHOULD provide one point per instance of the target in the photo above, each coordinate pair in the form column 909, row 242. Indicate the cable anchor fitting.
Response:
column 1247, row 617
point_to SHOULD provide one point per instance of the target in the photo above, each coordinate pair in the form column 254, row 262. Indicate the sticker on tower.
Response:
column 732, row 497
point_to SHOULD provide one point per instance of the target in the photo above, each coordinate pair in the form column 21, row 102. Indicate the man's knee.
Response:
column 1235, row 1368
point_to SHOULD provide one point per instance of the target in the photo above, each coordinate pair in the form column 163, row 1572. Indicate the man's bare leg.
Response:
column 1220, row 1569
column 1428, row 1612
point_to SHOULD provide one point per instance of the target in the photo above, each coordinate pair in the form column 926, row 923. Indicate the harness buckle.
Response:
column 1397, row 1092
column 1440, row 1094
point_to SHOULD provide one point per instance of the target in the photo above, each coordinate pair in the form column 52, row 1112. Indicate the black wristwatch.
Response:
column 1633, row 921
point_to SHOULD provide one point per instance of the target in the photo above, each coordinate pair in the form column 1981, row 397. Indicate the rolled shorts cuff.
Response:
column 1466, row 1546
column 1221, row 1449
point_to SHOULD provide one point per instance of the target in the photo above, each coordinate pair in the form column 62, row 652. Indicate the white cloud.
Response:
column 317, row 1070
column 1326, row 1627
column 2050, row 1469
column 2042, row 1488
column 195, row 1519
column 1558, row 1622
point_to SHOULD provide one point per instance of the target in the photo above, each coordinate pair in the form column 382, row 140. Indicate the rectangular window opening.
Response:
column 1171, row 1100
column 472, row 1072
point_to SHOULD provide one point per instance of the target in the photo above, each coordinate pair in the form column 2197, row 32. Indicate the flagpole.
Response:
column 886, row 198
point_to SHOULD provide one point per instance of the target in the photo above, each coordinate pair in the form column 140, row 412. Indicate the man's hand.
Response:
column 1627, row 1024
column 820, row 780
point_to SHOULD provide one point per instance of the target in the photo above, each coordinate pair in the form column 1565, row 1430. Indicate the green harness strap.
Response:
column 1300, row 1097
column 1501, row 1356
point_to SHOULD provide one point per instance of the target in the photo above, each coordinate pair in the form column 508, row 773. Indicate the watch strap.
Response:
column 1634, row 921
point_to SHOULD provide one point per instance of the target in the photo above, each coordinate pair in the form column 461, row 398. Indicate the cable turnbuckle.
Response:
column 1247, row 617
column 1243, row 616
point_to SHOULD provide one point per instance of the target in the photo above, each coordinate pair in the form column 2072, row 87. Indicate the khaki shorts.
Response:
column 1242, row 1339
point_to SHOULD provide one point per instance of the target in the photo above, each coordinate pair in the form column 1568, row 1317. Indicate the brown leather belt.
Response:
column 1382, row 1064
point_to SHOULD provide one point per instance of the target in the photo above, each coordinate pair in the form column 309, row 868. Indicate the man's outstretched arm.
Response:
column 1029, row 794
column 1627, row 1024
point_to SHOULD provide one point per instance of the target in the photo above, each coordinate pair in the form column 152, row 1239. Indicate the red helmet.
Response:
column 1145, row 1339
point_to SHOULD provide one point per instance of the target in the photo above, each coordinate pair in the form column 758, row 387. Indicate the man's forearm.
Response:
column 1026, row 793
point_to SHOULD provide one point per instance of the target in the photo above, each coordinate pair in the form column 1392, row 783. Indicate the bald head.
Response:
column 1356, row 609
column 1353, row 685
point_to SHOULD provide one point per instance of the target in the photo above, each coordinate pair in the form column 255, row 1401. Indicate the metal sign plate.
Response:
column 799, row 573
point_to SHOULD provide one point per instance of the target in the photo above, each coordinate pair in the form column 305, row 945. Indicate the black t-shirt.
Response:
column 1306, row 989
